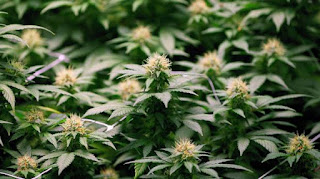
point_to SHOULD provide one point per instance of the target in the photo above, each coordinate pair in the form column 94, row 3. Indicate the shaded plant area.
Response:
column 173, row 89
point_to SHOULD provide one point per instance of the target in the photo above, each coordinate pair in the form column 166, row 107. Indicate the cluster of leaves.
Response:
column 159, row 88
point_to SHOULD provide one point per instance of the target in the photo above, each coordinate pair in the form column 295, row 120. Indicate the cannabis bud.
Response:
column 129, row 87
column 199, row 7
column 157, row 63
column 32, row 37
column 26, row 162
column 274, row 46
column 141, row 34
column 74, row 124
column 66, row 77
column 185, row 148
column 299, row 144
column 34, row 115
column 17, row 66
column 109, row 174
column 210, row 60
column 237, row 87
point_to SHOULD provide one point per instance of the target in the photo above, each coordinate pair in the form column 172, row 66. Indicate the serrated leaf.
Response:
column 256, row 82
column 167, row 40
column 146, row 150
column 139, row 168
column 278, row 19
column 83, row 141
column 86, row 155
column 277, row 79
column 121, row 112
column 269, row 145
column 210, row 172
column 193, row 125
column 14, row 27
column 189, row 166
column 273, row 155
column 165, row 97
column 159, row 167
column 175, row 167
column 239, row 112
column 56, row 4
column 102, row 108
column 243, row 143
column 8, row 95
column 64, row 161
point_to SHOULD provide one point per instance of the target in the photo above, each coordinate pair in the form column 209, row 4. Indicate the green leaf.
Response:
column 189, row 166
column 175, row 167
column 8, row 95
column 14, row 27
column 14, row 38
column 193, row 125
column 291, row 159
column 51, row 155
column 159, row 167
column 256, row 82
column 56, row 4
column 242, row 44
column 167, row 40
column 165, row 97
column 210, row 172
column 277, row 79
column 146, row 150
column 139, row 168
column 243, row 143
column 83, row 141
column 103, row 108
column 121, row 112
column 239, row 112
column 269, row 145
column 273, row 155
column 230, row 166
column 64, row 161
column 86, row 155
column 278, row 19
column 51, row 139
column 136, row 4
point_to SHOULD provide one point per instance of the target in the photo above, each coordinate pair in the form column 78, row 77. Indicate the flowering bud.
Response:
column 74, row 124
column 199, row 7
column 129, row 87
column 299, row 144
column 34, row 115
column 141, row 34
column 237, row 87
column 66, row 77
column 185, row 148
column 26, row 162
column 210, row 60
column 32, row 37
column 109, row 174
column 274, row 46
column 157, row 63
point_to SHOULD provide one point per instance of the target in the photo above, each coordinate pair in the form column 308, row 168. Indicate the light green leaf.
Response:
column 167, row 40
column 8, row 95
column 64, row 161
column 86, row 155
column 256, row 82
column 243, row 143
column 270, row 146
column 193, row 125
column 56, row 4
column 139, row 168
column 165, row 97
column 278, row 19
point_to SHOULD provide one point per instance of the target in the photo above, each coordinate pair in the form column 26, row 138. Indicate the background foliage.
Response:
column 160, row 88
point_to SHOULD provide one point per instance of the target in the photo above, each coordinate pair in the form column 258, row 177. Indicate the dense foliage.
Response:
column 159, row 89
